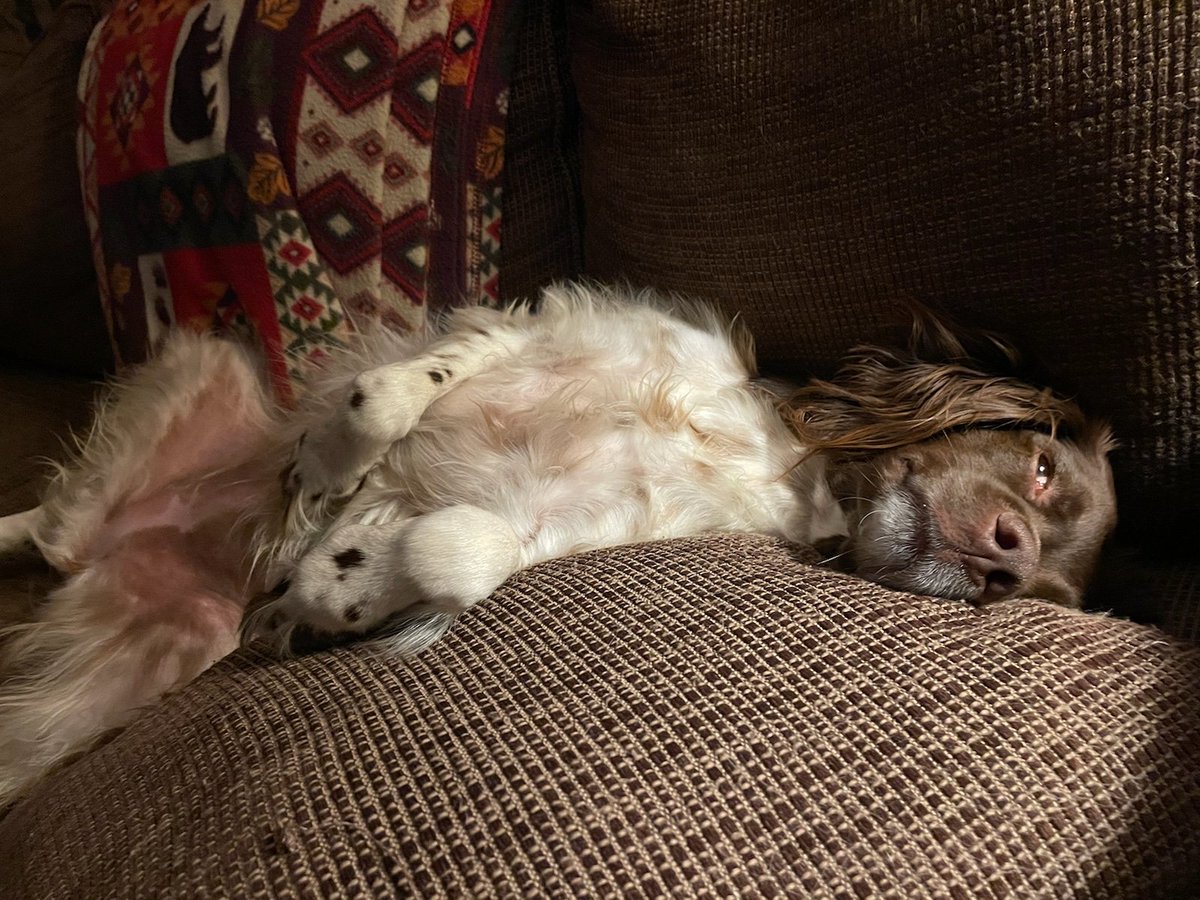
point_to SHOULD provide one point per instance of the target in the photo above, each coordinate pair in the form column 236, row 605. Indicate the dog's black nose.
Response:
column 1002, row 557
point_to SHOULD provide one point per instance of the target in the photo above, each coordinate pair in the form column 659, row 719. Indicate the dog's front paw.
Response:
column 340, row 590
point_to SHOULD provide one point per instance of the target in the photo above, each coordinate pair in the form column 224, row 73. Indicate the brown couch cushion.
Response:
column 1033, row 168
column 705, row 717
column 49, row 307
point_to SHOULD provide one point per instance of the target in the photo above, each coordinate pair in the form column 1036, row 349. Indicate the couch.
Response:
column 716, row 716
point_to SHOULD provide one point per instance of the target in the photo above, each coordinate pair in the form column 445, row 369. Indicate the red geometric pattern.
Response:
column 369, row 146
column 131, row 84
column 322, row 139
column 414, row 97
column 323, row 152
column 307, row 308
column 344, row 224
column 294, row 253
column 405, row 252
column 353, row 62
column 395, row 171
column 133, row 90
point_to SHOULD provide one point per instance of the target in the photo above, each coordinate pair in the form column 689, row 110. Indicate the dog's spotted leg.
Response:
column 362, row 575
column 16, row 532
column 381, row 406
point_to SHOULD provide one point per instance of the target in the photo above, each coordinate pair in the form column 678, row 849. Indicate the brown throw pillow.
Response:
column 692, row 718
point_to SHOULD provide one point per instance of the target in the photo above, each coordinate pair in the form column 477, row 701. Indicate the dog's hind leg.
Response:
column 150, row 525
column 98, row 653
column 195, row 410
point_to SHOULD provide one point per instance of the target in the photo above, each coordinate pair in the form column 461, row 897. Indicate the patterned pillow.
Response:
column 287, row 169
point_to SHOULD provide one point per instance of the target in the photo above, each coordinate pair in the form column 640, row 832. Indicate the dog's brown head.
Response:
column 957, row 483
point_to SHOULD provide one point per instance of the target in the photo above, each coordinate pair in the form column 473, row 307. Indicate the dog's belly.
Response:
column 600, row 446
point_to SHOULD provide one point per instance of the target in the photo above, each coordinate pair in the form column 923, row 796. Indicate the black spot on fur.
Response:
column 280, row 589
column 314, row 498
column 361, row 482
column 436, row 377
column 356, row 399
column 341, row 576
column 353, row 613
column 300, row 443
column 348, row 559
column 449, row 374
column 289, row 481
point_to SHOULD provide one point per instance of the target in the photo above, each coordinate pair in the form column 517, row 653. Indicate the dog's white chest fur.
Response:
column 591, row 424
column 428, row 470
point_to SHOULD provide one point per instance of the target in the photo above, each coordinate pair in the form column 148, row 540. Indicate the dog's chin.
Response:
column 899, row 546
column 931, row 578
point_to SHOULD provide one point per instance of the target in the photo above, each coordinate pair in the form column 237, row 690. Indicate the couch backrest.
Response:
column 812, row 166
column 49, row 306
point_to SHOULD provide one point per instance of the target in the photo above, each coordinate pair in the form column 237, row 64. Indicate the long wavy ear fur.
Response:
column 883, row 399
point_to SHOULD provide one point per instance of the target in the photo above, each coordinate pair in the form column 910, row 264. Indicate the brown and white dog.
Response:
column 422, row 471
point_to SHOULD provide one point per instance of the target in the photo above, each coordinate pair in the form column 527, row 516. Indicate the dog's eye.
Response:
column 1043, row 473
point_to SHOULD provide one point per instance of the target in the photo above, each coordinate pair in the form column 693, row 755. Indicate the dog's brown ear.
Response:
column 881, row 400
column 1096, row 437
column 936, row 336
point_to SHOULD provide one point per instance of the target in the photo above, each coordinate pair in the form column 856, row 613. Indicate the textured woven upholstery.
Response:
column 714, row 718
column 706, row 717
column 543, row 221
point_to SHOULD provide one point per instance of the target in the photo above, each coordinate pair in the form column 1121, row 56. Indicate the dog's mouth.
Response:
column 899, row 545
column 897, row 530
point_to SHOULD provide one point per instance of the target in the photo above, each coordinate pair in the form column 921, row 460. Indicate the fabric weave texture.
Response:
column 706, row 718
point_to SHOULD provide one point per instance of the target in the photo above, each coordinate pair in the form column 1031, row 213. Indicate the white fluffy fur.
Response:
column 419, row 474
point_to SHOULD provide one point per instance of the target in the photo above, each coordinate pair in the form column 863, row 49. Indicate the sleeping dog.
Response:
column 421, row 471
